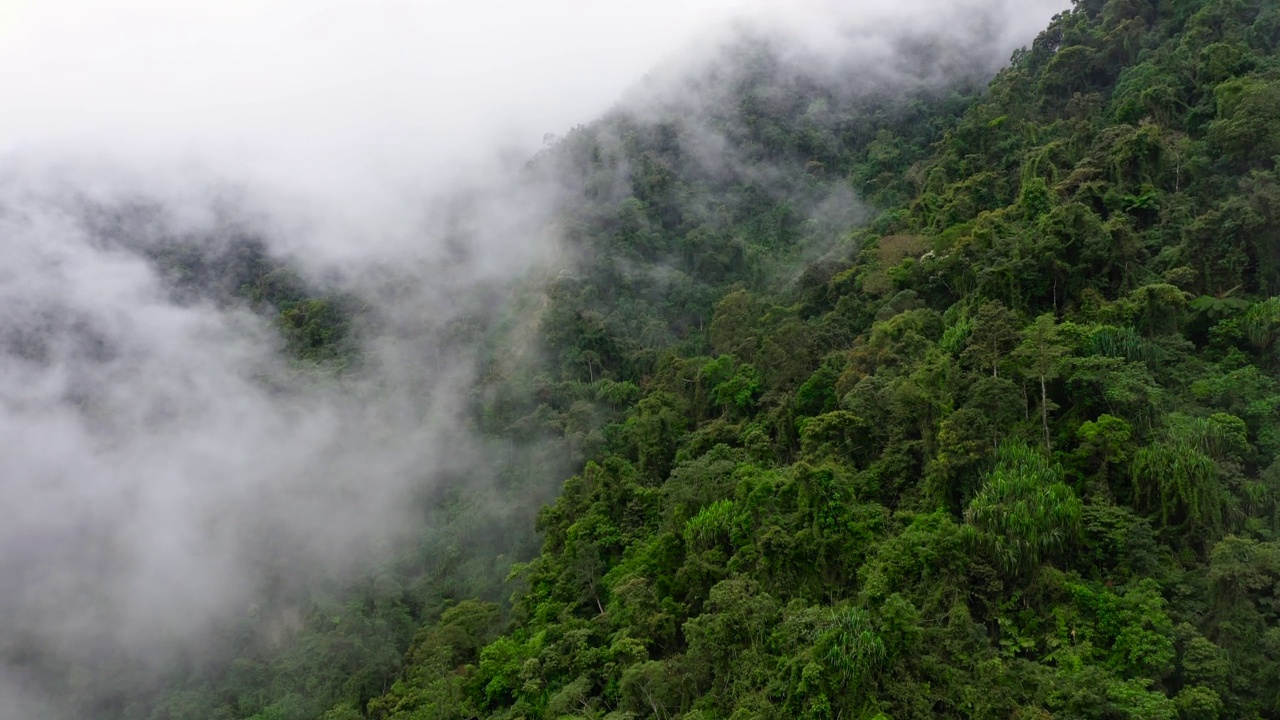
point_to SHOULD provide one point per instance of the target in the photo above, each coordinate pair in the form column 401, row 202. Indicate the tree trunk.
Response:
column 1044, row 411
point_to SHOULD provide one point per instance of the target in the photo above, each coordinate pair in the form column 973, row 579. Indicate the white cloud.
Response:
column 325, row 87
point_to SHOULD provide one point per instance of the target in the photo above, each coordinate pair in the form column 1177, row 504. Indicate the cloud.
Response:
column 325, row 87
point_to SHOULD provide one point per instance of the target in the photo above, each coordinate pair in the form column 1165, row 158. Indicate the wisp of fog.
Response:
column 158, row 448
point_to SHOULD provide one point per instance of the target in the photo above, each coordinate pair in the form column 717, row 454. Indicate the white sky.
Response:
column 337, row 97
column 314, row 86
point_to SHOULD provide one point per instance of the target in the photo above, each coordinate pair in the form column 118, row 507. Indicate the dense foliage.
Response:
column 1004, row 450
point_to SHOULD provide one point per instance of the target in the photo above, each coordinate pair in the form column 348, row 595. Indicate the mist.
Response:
column 162, row 453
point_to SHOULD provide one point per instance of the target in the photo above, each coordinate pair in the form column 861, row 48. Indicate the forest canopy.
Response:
column 953, row 402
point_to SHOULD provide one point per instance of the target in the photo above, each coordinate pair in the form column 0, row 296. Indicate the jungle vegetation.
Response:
column 955, row 403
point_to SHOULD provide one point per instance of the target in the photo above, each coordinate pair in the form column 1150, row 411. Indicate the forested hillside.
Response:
column 927, row 402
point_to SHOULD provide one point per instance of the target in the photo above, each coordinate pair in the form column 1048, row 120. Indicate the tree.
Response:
column 1040, row 355
column 994, row 336
column 733, row 331
column 1105, row 442
column 1180, row 482
column 1024, row 513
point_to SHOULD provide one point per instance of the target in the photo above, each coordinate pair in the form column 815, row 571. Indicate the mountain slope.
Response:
column 1007, row 451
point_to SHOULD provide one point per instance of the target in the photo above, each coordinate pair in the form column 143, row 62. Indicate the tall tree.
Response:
column 1040, row 357
column 994, row 336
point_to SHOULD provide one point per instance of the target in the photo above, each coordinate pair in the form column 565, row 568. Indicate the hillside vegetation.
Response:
column 997, row 440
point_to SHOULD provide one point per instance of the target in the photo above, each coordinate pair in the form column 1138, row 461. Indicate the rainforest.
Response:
column 897, row 386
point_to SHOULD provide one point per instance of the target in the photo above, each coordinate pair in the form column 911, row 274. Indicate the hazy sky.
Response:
column 316, row 84
column 321, row 85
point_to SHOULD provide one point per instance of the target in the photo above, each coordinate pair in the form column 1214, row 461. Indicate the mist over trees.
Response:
column 843, row 369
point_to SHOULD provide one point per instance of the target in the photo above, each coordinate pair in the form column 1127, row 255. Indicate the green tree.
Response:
column 994, row 336
column 1180, row 483
column 1040, row 355
column 1024, row 513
